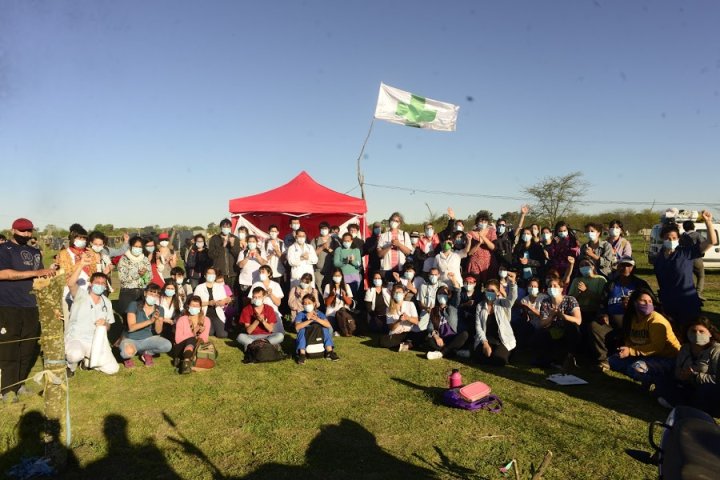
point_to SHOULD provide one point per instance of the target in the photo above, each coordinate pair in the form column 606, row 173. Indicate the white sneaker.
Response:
column 434, row 355
column 403, row 347
column 664, row 403
column 463, row 353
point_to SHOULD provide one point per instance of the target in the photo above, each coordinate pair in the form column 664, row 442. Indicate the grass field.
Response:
column 374, row 414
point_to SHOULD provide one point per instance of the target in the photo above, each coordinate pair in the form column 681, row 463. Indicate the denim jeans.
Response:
column 658, row 368
column 274, row 338
column 151, row 345
column 301, row 341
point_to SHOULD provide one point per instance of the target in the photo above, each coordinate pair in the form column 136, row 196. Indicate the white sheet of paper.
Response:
column 564, row 379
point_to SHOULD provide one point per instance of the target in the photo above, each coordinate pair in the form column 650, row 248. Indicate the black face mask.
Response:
column 20, row 239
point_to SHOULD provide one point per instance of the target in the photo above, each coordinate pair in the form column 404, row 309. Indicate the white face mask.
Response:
column 414, row 240
column 554, row 291
column 459, row 228
column 309, row 307
column 257, row 301
column 199, row 244
column 210, row 277
column 429, row 232
column 97, row 248
column 164, row 243
column 377, row 282
column 252, row 246
column 273, row 235
column 547, row 236
column 409, row 275
column 263, row 277
column 80, row 243
column 501, row 229
column 433, row 279
column 337, row 279
column 295, row 226
column 699, row 339
column 482, row 226
column 526, row 237
column 179, row 280
column 502, row 273
column 398, row 297
column 671, row 244
column 470, row 287
column 592, row 236
column 300, row 240
column 324, row 232
column 563, row 234
column 615, row 232
column 394, row 225
column 242, row 235
column 225, row 230
column 533, row 291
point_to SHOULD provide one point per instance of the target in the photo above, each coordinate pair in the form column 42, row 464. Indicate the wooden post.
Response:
column 540, row 471
column 49, row 293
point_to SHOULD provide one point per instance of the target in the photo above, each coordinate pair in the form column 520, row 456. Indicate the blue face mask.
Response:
column 442, row 299
column 376, row 231
column 193, row 310
column 169, row 292
column 98, row 289
column 137, row 251
column 585, row 271
column 150, row 301
column 150, row 249
column 490, row 296
column 501, row 229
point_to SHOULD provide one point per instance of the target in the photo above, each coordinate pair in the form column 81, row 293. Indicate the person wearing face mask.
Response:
column 304, row 319
column 294, row 224
column 528, row 257
column 249, row 261
column 404, row 330
column 214, row 300
column 150, row 248
column 588, row 290
column 559, row 336
column 530, row 313
column 275, row 253
column 184, row 289
column 650, row 345
column 349, row 259
column 410, row 280
column 564, row 245
column 470, row 295
column 598, row 251
column 695, row 381
column 103, row 256
column 482, row 261
column 142, row 332
column 172, row 308
column 67, row 259
column 607, row 330
column 417, row 256
column 337, row 295
column 427, row 295
column 357, row 241
column 393, row 246
column 690, row 237
column 166, row 259
column 429, row 244
column 260, row 321
column 377, row 300
column 447, row 335
column 19, row 316
column 674, row 271
column 325, row 247
column 301, row 257
column 453, row 226
column 223, row 250
column 449, row 260
column 273, row 290
column 306, row 286
column 191, row 327
column 134, row 272
column 494, row 337
column 371, row 248
column 621, row 246
column 198, row 261
column 90, row 315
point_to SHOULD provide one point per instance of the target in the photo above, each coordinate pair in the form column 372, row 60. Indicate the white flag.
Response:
column 405, row 108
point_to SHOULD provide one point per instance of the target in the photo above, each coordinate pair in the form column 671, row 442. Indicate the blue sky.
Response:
column 160, row 112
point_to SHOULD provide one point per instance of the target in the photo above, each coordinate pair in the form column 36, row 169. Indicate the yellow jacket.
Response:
column 653, row 336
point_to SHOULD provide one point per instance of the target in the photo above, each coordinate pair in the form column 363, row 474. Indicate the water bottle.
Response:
column 455, row 379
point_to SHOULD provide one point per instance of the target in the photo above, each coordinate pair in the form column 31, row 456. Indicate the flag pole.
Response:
column 360, row 176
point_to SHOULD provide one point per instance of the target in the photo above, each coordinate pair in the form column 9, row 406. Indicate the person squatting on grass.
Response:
column 303, row 320
column 145, row 320
column 260, row 321
column 190, row 328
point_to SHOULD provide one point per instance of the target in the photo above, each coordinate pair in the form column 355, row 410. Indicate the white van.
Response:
column 712, row 256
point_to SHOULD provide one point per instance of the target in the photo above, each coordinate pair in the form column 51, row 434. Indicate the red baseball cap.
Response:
column 163, row 236
column 23, row 224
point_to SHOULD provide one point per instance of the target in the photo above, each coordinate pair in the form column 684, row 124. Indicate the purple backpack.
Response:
column 452, row 398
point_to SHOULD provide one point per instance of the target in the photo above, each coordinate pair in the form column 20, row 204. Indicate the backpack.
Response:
column 345, row 322
column 315, row 348
column 452, row 398
column 261, row 351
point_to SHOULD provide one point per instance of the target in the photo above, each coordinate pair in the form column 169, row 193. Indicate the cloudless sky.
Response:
column 137, row 113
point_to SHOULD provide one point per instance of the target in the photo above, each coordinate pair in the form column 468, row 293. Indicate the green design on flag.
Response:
column 415, row 112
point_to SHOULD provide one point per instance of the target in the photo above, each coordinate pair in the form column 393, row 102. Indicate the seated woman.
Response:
column 403, row 323
column 494, row 338
column 528, row 323
column 183, row 289
column 337, row 295
column 214, row 299
column 90, row 310
column 410, row 280
column 377, row 300
column 143, row 329
column 470, row 296
column 588, row 290
column 446, row 336
column 298, row 292
column 650, row 343
column 260, row 321
column 696, row 381
column 559, row 334
column 191, row 327
column 349, row 260
column 304, row 319
column 172, row 309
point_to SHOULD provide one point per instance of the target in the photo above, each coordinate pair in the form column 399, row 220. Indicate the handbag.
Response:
column 206, row 350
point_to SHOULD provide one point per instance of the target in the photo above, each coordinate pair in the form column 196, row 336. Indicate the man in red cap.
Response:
column 19, row 319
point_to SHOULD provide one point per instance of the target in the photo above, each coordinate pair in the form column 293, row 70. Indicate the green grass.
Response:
column 373, row 414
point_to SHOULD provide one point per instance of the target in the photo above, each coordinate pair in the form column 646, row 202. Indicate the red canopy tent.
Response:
column 303, row 198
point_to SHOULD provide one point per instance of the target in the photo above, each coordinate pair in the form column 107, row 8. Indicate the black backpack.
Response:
column 261, row 351
column 315, row 348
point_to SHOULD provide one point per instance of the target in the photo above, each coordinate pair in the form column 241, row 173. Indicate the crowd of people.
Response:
column 478, row 293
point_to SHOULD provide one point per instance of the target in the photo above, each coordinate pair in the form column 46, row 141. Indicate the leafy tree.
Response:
column 555, row 198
